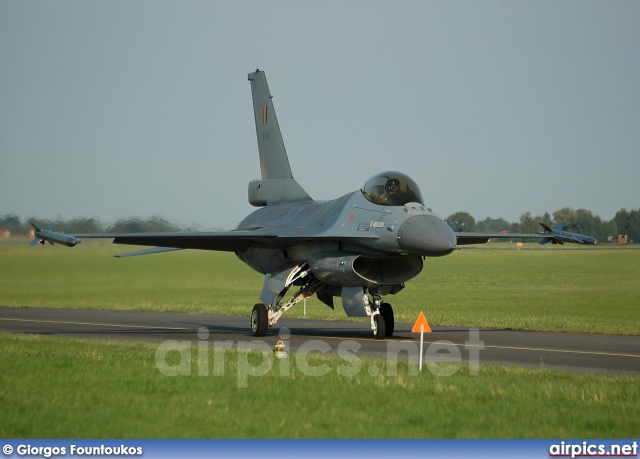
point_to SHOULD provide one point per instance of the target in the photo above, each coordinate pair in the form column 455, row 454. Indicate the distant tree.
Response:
column 461, row 221
column 546, row 219
column 81, row 225
column 608, row 230
column 493, row 225
column 586, row 223
column 628, row 223
column 138, row 225
column 565, row 215
column 634, row 225
column 531, row 224
column 621, row 220
column 12, row 223
column 528, row 223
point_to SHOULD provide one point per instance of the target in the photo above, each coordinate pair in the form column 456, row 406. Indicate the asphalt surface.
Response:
column 602, row 354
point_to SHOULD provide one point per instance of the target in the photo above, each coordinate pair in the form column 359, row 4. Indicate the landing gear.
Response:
column 259, row 320
column 382, row 321
column 381, row 314
column 357, row 301
column 263, row 317
column 378, row 326
column 386, row 311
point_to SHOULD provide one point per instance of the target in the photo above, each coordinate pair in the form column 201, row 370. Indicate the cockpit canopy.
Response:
column 392, row 189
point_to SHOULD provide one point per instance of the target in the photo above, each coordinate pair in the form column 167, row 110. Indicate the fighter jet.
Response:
column 361, row 247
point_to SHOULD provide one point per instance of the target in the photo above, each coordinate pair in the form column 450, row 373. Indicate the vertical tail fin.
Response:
column 274, row 162
column 277, row 184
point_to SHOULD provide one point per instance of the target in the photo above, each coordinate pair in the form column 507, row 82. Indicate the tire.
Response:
column 386, row 311
column 259, row 320
column 379, row 330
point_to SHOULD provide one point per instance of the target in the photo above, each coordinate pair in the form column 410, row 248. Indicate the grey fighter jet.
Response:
column 360, row 247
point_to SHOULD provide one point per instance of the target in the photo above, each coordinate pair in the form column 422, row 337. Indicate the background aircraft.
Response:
column 361, row 246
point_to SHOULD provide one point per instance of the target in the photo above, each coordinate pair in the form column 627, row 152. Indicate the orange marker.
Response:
column 421, row 326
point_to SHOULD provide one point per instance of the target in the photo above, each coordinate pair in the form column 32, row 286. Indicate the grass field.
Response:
column 55, row 387
column 96, row 389
column 592, row 291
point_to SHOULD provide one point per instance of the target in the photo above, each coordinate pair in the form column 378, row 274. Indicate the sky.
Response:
column 118, row 109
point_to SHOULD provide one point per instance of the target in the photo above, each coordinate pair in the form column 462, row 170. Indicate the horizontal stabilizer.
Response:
column 276, row 191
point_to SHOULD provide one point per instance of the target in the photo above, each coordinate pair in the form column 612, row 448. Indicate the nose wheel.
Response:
column 383, row 322
column 386, row 311
column 259, row 320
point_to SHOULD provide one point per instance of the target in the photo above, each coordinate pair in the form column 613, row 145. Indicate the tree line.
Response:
column 577, row 221
column 152, row 224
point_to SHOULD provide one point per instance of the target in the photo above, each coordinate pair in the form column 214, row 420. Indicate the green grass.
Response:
column 54, row 387
column 591, row 291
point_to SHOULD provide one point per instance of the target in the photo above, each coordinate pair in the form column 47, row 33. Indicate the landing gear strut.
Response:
column 382, row 320
column 357, row 302
column 263, row 317
column 377, row 325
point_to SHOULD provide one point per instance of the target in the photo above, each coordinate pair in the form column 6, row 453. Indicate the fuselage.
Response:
column 350, row 224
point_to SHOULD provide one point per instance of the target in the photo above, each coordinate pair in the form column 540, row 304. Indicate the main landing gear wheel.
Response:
column 259, row 320
column 378, row 326
column 386, row 311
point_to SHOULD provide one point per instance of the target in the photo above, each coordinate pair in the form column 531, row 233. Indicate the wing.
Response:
column 554, row 235
column 466, row 238
column 228, row 241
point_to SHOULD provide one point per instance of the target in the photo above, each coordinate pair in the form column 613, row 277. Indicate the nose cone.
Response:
column 426, row 235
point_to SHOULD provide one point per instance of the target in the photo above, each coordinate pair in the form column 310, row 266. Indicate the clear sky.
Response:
column 114, row 109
